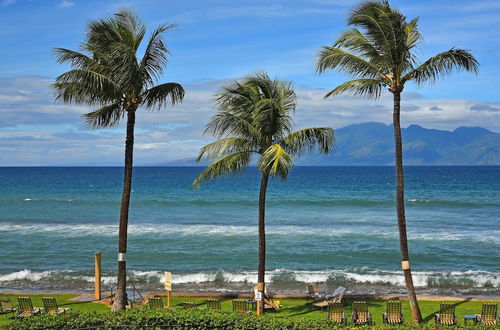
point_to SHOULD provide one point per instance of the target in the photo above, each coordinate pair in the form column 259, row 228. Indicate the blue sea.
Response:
column 334, row 225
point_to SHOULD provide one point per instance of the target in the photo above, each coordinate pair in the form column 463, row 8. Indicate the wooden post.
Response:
column 260, row 298
column 168, row 286
column 97, row 293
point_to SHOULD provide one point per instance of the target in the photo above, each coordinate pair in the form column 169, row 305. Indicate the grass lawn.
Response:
column 292, row 308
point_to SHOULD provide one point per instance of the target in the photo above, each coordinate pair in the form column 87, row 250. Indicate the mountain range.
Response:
column 373, row 144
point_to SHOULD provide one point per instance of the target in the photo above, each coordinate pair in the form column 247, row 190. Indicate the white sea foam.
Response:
column 180, row 230
column 25, row 274
column 470, row 278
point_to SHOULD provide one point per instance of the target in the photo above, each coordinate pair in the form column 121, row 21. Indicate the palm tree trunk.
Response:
column 121, row 284
column 262, row 241
column 400, row 208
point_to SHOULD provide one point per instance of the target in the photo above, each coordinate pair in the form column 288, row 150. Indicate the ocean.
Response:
column 334, row 225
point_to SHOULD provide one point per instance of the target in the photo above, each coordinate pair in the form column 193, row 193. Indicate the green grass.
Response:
column 292, row 308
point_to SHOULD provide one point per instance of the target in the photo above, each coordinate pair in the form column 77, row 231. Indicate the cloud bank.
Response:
column 35, row 130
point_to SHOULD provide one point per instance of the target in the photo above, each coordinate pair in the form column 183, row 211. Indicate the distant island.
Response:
column 372, row 144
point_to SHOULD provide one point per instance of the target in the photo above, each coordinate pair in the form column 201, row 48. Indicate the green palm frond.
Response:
column 108, row 71
column 370, row 88
column 358, row 43
column 225, row 124
column 276, row 161
column 225, row 146
column 107, row 116
column 234, row 163
column 382, row 53
column 349, row 63
column 76, row 59
column 254, row 117
column 84, row 86
column 443, row 64
column 155, row 56
column 157, row 97
column 307, row 139
column 131, row 29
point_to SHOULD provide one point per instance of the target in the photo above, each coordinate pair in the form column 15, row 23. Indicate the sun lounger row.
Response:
column 238, row 305
column 446, row 315
column 393, row 315
column 25, row 307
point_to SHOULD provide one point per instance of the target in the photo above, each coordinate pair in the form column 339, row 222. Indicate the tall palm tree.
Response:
column 382, row 55
column 254, row 119
column 108, row 75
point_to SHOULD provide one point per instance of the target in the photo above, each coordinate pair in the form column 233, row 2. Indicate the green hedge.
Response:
column 185, row 319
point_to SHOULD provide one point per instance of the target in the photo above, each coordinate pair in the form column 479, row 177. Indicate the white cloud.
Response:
column 37, row 131
column 66, row 4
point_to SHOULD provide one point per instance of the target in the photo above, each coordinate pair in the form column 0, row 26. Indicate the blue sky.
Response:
column 219, row 41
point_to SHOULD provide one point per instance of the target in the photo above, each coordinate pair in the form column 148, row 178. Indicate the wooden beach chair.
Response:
column 50, row 306
column 240, row 306
column 488, row 314
column 155, row 303
column 213, row 304
column 393, row 313
column 360, row 314
column 335, row 313
column 314, row 293
column 446, row 315
column 26, row 308
column 335, row 297
column 6, row 307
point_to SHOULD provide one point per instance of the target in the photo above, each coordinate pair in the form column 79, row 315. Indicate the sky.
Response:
column 214, row 43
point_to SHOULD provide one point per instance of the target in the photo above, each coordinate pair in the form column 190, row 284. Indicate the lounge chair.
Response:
column 6, row 307
column 488, row 314
column 155, row 303
column 335, row 297
column 360, row 314
column 26, row 308
column 50, row 306
column 393, row 313
column 314, row 293
column 188, row 305
column 240, row 306
column 446, row 315
column 213, row 304
column 335, row 313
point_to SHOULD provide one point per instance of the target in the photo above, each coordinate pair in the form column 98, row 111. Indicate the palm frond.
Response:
column 231, row 164
column 81, row 86
column 158, row 96
column 223, row 147
column 369, row 88
column 275, row 161
column 131, row 29
column 107, row 116
column 342, row 60
column 442, row 65
column 225, row 124
column 355, row 41
column 307, row 139
column 155, row 56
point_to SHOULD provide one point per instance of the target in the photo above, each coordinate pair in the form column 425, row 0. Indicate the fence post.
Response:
column 97, row 273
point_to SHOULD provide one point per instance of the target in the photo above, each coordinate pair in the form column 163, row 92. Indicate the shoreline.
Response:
column 234, row 295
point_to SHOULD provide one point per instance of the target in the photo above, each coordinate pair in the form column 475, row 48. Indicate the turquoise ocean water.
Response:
column 334, row 225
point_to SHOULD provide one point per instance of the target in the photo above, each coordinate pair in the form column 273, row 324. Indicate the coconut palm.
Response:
column 254, row 118
column 108, row 75
column 382, row 54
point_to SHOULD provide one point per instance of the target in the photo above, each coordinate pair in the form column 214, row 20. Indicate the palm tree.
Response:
column 254, row 118
column 108, row 75
column 382, row 55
